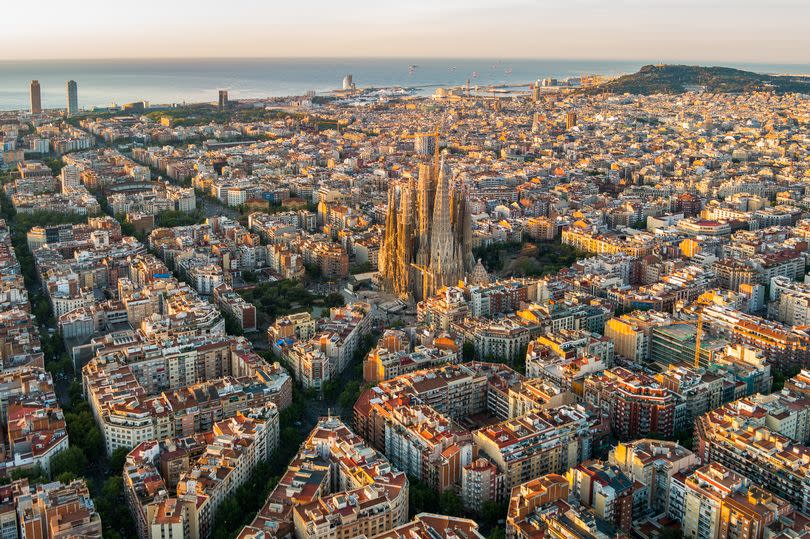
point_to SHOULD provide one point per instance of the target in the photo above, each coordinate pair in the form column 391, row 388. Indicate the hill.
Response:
column 674, row 79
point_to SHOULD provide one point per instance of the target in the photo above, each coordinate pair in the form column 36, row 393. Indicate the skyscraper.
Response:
column 223, row 99
column 428, row 235
column 36, row 99
column 72, row 98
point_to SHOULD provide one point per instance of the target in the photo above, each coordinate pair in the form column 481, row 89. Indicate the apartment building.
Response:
column 530, row 504
column 587, row 238
column 394, row 356
column 652, row 464
column 631, row 333
column 745, row 438
column 335, row 487
column 33, row 422
column 178, row 394
column 432, row 526
column 721, row 504
column 481, row 482
column 538, row 443
column 175, row 486
column 605, row 489
column 636, row 404
column 51, row 510
column 241, row 311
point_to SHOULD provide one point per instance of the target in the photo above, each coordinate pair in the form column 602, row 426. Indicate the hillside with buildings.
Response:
column 673, row 79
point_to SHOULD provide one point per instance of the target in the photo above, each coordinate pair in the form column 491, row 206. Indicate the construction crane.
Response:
column 698, row 336
column 698, row 333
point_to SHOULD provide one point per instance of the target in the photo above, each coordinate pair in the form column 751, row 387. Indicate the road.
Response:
column 215, row 209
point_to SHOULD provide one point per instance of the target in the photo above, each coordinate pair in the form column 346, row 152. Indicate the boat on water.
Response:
column 475, row 74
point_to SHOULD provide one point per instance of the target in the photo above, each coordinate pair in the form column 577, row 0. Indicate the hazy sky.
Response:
column 732, row 30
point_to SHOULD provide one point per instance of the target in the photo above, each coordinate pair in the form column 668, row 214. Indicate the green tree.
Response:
column 333, row 300
column 111, row 505
column 118, row 458
column 491, row 513
column 780, row 377
column 685, row 438
column 65, row 477
column 497, row 533
column 313, row 271
column 61, row 365
column 83, row 431
column 280, row 298
column 74, row 393
column 72, row 460
column 422, row 498
column 365, row 267
column 232, row 326
column 34, row 474
column 55, row 165
column 468, row 351
column 330, row 389
column 170, row 219
column 450, row 503
column 349, row 395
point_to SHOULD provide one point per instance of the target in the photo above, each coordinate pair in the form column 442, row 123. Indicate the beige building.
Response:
column 174, row 487
column 539, row 443
column 631, row 333
column 652, row 463
column 337, row 487
column 54, row 511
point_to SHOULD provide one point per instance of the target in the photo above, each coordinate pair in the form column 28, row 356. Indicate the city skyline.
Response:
column 630, row 30
column 380, row 271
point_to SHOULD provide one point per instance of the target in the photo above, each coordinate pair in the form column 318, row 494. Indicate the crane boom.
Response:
column 698, row 336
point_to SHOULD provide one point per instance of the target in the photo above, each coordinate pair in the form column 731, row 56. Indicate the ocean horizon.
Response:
column 192, row 80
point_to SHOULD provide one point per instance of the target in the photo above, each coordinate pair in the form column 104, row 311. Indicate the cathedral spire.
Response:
column 445, row 259
column 427, row 241
column 427, row 192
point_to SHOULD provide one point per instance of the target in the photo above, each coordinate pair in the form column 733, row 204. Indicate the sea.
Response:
column 102, row 83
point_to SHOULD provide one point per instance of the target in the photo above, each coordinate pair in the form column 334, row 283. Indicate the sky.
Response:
column 767, row 31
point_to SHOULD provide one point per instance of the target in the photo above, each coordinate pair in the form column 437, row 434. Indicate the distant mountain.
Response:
column 674, row 79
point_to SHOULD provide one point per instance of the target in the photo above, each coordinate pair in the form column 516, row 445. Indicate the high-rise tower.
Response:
column 72, row 97
column 36, row 98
